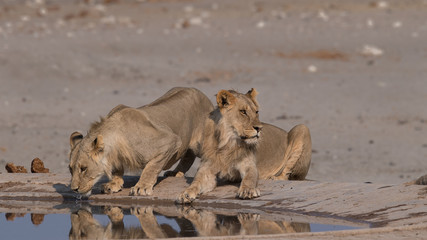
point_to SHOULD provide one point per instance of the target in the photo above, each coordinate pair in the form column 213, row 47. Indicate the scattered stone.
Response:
column 42, row 12
column 312, row 69
column 382, row 4
column 397, row 24
column 37, row 166
column 11, row 168
column 322, row 15
column 196, row 21
column 370, row 50
column 260, row 24
column 371, row 141
column 25, row 18
column 370, row 23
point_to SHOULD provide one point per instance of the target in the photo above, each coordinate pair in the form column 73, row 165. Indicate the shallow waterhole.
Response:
column 106, row 222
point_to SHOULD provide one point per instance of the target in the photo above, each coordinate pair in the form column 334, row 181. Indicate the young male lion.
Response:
column 229, row 146
column 234, row 148
column 149, row 138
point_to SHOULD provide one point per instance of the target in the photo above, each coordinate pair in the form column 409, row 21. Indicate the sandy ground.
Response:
column 353, row 71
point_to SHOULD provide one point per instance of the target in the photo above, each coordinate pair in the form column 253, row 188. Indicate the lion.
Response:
column 149, row 138
column 235, row 148
column 229, row 146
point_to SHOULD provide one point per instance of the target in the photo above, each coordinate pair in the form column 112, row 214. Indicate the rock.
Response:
column 421, row 180
column 11, row 168
column 37, row 166
column 369, row 50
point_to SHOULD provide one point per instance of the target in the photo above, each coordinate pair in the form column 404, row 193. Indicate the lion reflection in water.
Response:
column 192, row 222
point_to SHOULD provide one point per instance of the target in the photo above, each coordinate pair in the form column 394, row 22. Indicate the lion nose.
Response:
column 75, row 189
column 257, row 128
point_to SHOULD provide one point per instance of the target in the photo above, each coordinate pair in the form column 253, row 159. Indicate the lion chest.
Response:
column 231, row 164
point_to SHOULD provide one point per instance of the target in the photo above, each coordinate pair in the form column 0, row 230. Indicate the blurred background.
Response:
column 355, row 72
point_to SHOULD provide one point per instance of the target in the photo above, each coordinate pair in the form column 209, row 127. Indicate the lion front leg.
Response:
column 249, row 173
column 144, row 186
column 298, row 154
column 204, row 181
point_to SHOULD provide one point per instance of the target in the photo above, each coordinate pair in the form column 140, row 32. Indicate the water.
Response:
column 148, row 222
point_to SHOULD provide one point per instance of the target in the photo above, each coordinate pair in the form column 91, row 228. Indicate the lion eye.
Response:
column 243, row 112
column 256, row 112
column 82, row 169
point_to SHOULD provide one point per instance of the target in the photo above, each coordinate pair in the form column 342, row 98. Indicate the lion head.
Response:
column 85, row 161
column 239, row 113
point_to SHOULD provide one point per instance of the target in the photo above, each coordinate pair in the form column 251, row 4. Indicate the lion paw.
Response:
column 138, row 211
column 173, row 174
column 186, row 197
column 112, row 187
column 248, row 193
column 141, row 190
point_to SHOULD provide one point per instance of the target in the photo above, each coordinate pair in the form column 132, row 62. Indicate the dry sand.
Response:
column 353, row 71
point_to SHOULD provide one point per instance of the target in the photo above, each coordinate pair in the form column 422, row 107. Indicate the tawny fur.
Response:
column 282, row 155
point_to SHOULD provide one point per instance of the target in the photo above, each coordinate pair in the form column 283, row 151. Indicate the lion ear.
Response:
column 252, row 95
column 98, row 144
column 225, row 98
column 75, row 138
